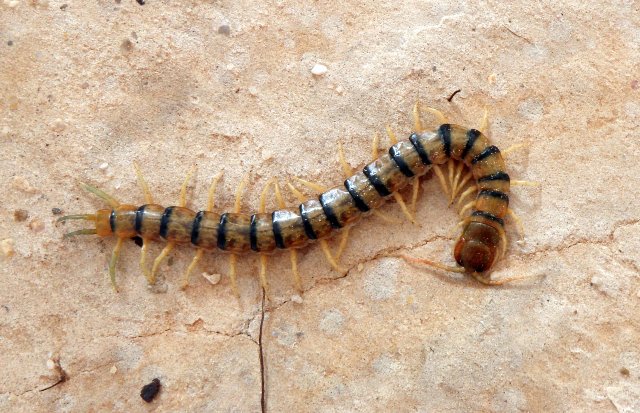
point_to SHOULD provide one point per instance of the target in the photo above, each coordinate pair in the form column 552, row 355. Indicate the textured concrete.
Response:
column 88, row 87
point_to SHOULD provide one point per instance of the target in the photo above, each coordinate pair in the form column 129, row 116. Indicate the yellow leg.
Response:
column 484, row 125
column 183, row 189
column 148, row 198
column 392, row 136
column 513, row 148
column 112, row 263
column 327, row 253
column 113, row 203
column 297, row 280
column 465, row 194
column 461, row 185
column 311, row 185
column 347, row 171
column 156, row 263
column 200, row 252
column 417, row 118
column 467, row 207
column 233, row 262
column 404, row 208
column 443, row 183
column 263, row 275
column 415, row 187
column 524, row 183
column 430, row 263
column 143, row 260
column 344, row 237
column 185, row 277
column 456, row 181
column 518, row 222
column 375, row 147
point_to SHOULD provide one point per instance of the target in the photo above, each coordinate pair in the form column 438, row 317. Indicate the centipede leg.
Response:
column 148, row 198
column 233, row 262
column 465, row 208
column 465, row 194
column 518, row 222
column 293, row 254
column 484, row 124
column 112, row 263
column 417, row 116
column 199, row 252
column 297, row 280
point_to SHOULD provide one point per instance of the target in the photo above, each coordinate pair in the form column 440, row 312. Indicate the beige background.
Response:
column 88, row 87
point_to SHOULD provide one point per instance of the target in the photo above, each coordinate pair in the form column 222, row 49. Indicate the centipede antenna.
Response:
column 87, row 231
column 86, row 217
column 425, row 261
column 113, row 203
column 347, row 171
column 112, row 263
column 392, row 136
column 148, row 198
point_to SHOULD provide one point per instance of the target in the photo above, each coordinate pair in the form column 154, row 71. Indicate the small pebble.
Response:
column 253, row 91
column 11, row 3
column 339, row 90
column 319, row 70
column 296, row 299
column 113, row 369
column 6, row 246
column 360, row 267
column 20, row 215
column 224, row 29
column 212, row 278
column 20, row 183
column 56, row 211
column 36, row 225
column 58, row 125
column 103, row 166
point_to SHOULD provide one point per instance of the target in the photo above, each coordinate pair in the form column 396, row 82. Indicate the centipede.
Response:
column 472, row 161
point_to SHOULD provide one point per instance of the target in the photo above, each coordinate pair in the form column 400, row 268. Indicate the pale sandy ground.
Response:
column 88, row 87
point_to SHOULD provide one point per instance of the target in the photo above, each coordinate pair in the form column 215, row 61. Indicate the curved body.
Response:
column 340, row 206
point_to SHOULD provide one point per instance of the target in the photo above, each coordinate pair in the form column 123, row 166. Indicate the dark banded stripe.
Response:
column 472, row 135
column 362, row 206
column 139, row 218
column 424, row 157
column 394, row 153
column 490, row 150
column 195, row 228
column 330, row 213
column 494, row 194
column 488, row 216
column 308, row 228
column 253, row 233
column 222, row 231
column 112, row 220
column 444, row 131
column 375, row 181
column 164, row 221
column 497, row 176
column 277, row 234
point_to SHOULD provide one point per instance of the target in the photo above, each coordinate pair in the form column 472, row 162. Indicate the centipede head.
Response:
column 477, row 248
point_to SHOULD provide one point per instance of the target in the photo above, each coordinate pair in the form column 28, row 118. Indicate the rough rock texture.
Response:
column 88, row 87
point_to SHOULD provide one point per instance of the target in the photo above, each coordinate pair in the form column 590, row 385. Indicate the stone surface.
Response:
column 89, row 87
